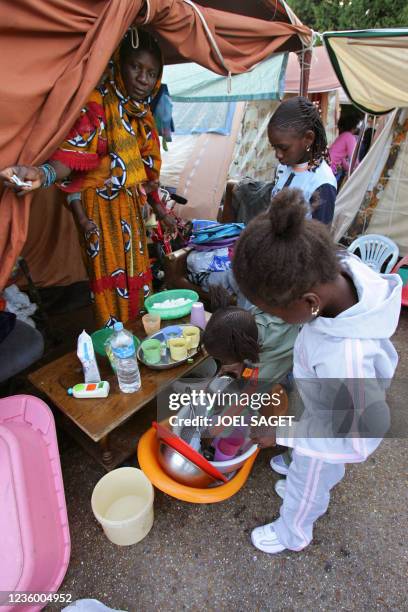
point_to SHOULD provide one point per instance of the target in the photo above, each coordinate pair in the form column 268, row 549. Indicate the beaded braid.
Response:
column 301, row 115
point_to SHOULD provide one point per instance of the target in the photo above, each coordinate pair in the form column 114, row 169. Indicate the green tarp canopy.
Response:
column 193, row 83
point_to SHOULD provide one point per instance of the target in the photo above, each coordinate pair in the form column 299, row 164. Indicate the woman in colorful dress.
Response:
column 109, row 164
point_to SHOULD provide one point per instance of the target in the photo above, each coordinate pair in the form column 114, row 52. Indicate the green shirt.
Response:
column 276, row 340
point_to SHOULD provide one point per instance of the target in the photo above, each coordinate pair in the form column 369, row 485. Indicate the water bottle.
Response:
column 124, row 353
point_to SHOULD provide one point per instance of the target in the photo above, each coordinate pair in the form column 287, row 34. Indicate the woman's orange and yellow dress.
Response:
column 113, row 149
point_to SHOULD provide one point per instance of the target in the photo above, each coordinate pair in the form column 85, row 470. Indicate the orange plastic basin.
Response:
column 147, row 451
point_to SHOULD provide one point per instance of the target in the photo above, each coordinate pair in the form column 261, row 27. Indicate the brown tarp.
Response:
column 53, row 53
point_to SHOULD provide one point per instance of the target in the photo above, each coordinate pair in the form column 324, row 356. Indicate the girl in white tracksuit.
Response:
column 289, row 267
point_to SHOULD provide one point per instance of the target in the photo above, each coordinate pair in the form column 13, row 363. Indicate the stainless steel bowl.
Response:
column 182, row 469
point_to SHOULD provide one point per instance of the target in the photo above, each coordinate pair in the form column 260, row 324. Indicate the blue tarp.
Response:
column 202, row 118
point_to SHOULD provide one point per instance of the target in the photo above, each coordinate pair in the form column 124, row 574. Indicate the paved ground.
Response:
column 200, row 557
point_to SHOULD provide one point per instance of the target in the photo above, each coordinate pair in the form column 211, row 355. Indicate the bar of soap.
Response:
column 176, row 303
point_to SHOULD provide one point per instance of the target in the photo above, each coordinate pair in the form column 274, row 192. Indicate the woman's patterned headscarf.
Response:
column 122, row 131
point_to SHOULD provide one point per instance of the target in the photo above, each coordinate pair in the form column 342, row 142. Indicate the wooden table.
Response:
column 94, row 422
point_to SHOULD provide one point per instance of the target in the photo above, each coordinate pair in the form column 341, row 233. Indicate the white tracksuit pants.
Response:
column 307, row 497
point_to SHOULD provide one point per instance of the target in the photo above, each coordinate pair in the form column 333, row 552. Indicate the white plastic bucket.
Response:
column 122, row 502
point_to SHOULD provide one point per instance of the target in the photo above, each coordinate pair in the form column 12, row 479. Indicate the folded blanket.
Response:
column 217, row 232
column 216, row 245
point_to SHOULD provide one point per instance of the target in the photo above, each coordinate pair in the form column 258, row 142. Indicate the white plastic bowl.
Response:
column 232, row 465
column 225, row 467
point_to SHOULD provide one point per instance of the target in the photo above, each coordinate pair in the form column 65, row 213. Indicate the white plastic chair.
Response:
column 375, row 250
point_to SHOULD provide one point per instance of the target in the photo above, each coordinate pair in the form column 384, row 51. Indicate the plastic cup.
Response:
column 151, row 324
column 178, row 349
column 192, row 336
column 227, row 448
column 197, row 317
column 122, row 503
column 171, row 337
column 151, row 351
column 220, row 457
column 171, row 331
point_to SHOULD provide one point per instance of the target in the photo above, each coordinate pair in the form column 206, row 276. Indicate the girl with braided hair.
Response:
column 297, row 135
column 236, row 337
column 288, row 266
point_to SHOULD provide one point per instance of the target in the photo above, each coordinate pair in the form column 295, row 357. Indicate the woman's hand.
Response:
column 87, row 225
column 151, row 186
column 169, row 223
column 167, row 220
column 26, row 174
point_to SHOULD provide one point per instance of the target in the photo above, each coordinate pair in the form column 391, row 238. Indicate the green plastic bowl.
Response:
column 172, row 294
column 99, row 338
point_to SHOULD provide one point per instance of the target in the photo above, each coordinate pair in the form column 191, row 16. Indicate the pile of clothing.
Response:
column 19, row 303
column 209, row 263
column 21, row 344
column 212, row 244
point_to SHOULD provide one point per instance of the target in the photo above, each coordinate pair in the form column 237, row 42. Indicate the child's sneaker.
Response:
column 280, row 487
column 264, row 538
column 279, row 465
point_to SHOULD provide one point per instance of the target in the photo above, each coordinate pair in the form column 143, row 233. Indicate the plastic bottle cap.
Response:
column 70, row 391
column 118, row 326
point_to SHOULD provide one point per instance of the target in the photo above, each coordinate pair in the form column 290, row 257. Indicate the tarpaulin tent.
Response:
column 193, row 83
column 200, row 155
column 53, row 54
column 374, row 199
column 267, row 80
column 371, row 65
column 200, row 160
column 322, row 75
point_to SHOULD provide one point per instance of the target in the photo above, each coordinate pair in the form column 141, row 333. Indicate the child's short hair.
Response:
column 300, row 114
column 281, row 255
column 231, row 335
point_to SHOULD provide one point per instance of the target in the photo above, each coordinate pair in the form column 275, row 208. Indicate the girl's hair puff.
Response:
column 281, row 255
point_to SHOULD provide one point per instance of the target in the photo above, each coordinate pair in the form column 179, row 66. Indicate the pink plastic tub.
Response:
column 34, row 535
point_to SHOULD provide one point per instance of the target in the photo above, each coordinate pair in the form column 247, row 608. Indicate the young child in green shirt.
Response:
column 237, row 338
